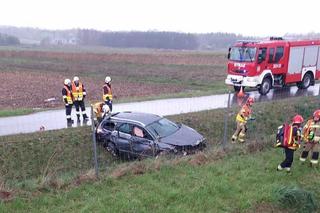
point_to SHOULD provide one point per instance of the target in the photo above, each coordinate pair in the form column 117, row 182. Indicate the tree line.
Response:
column 129, row 39
column 8, row 40
column 158, row 40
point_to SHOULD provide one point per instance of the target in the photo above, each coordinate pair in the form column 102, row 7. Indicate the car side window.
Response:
column 109, row 125
column 125, row 128
column 141, row 133
column 279, row 54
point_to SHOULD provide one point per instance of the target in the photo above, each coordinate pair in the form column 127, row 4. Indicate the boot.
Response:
column 304, row 156
column 78, row 118
column 233, row 139
column 241, row 137
column 314, row 159
column 85, row 118
column 69, row 122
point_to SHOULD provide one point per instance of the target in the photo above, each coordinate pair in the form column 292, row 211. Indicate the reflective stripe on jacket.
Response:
column 311, row 132
column 244, row 114
column 68, row 96
column 77, row 91
column 294, row 137
column 107, row 92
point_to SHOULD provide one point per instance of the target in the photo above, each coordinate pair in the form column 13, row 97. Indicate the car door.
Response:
column 104, row 132
column 262, row 54
column 123, row 138
column 142, row 144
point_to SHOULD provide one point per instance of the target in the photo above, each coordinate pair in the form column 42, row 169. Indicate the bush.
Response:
column 296, row 199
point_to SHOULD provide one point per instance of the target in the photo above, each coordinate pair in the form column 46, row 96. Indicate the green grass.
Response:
column 240, row 180
column 15, row 112
column 233, row 184
column 103, row 50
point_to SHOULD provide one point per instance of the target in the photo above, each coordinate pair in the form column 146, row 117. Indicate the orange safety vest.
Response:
column 244, row 113
column 77, row 91
column 310, row 127
column 68, row 96
column 109, row 94
column 306, row 130
column 292, row 141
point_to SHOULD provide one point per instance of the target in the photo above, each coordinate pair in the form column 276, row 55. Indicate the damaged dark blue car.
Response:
column 137, row 135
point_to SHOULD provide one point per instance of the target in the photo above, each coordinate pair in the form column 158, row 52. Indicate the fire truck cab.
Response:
column 273, row 63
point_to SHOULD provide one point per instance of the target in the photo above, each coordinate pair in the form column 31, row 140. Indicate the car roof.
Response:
column 136, row 117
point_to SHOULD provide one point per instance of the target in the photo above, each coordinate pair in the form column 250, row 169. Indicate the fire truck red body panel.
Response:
column 264, row 64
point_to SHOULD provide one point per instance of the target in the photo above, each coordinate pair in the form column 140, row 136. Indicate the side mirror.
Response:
column 229, row 53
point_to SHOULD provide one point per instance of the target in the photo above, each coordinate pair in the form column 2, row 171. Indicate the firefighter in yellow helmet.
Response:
column 107, row 92
column 79, row 93
column 311, row 136
column 241, row 119
column 293, row 141
column 68, row 100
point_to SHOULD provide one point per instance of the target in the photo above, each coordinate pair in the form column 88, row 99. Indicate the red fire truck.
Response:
column 273, row 63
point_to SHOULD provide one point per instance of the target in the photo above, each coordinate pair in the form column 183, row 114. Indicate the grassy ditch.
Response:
column 238, row 183
column 238, row 179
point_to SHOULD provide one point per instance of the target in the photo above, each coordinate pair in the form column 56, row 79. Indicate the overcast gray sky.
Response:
column 247, row 17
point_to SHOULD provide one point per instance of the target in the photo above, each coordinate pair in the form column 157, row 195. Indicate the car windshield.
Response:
column 162, row 127
column 243, row 54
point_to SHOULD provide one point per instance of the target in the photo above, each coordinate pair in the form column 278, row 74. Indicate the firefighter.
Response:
column 293, row 141
column 79, row 93
column 68, row 100
column 311, row 136
column 241, row 119
column 100, row 109
column 107, row 92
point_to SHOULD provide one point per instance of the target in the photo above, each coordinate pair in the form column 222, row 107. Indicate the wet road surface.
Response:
column 55, row 119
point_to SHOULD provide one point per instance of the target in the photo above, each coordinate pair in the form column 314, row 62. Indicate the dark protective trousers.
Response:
column 289, row 158
column 68, row 112
column 78, row 105
column 109, row 103
column 312, row 147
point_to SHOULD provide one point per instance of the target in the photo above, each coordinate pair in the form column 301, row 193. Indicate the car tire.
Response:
column 265, row 86
column 306, row 81
column 111, row 147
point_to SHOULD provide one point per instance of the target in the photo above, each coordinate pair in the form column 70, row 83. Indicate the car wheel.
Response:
column 111, row 147
column 265, row 86
column 306, row 81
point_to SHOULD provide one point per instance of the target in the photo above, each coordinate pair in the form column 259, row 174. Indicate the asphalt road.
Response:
column 55, row 119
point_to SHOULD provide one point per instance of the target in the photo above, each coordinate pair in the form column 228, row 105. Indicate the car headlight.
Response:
column 202, row 140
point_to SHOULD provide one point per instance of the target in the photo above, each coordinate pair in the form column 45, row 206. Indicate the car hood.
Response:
column 185, row 136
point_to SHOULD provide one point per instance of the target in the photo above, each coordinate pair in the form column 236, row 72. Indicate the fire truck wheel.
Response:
column 265, row 86
column 306, row 81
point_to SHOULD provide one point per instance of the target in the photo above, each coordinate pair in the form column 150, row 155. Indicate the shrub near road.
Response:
column 136, row 75
column 240, row 179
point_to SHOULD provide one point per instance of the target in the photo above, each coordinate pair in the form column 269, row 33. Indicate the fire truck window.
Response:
column 262, row 54
column 271, row 54
column 279, row 54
